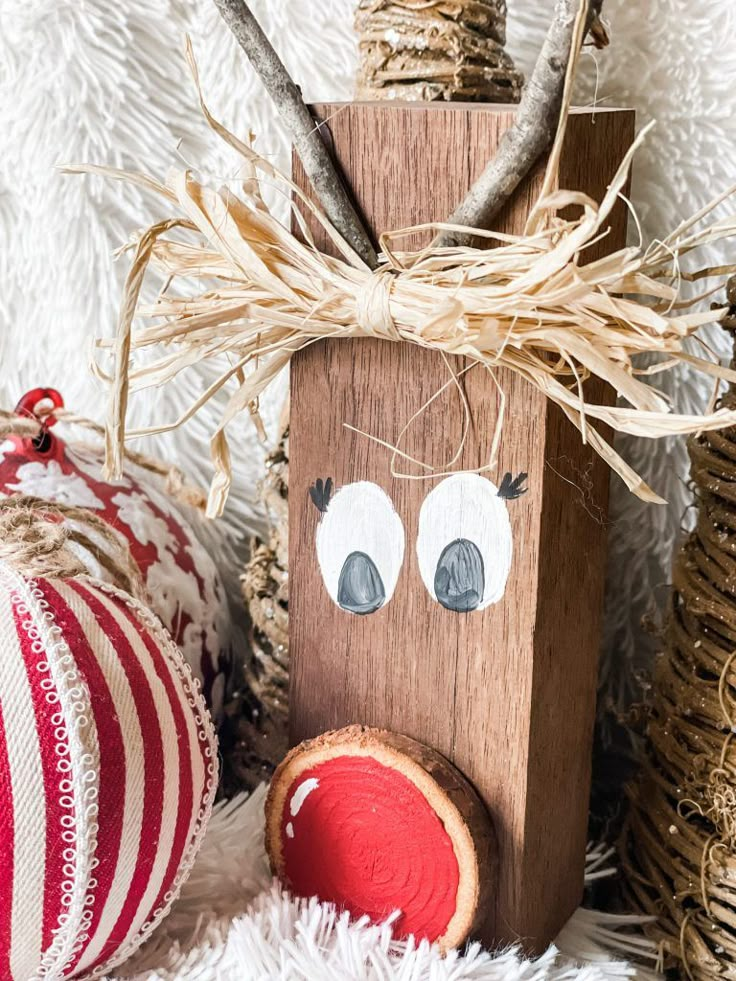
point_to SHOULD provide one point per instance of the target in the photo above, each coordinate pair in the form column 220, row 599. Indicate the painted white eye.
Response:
column 464, row 542
column 360, row 545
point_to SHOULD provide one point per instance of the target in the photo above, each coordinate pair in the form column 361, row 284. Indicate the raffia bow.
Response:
column 243, row 287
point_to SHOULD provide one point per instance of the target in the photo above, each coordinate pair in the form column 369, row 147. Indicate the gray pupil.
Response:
column 459, row 580
column 360, row 588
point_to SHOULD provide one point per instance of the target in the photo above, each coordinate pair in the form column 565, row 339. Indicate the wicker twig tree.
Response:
column 450, row 50
column 679, row 842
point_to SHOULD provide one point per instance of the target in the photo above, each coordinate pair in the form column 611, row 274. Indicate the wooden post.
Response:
column 506, row 692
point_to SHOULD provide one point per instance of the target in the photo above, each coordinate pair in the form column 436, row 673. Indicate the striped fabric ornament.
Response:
column 108, row 770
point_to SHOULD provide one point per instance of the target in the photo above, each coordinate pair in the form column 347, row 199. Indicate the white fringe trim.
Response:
column 233, row 923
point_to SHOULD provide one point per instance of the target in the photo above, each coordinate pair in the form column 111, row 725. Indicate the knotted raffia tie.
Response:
column 39, row 539
column 373, row 305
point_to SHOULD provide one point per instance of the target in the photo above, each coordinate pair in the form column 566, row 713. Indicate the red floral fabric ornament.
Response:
column 184, row 586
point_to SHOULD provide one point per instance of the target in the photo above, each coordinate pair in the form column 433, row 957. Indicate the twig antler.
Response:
column 533, row 128
column 308, row 141
column 523, row 144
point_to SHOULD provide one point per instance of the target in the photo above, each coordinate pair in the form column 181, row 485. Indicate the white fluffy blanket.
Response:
column 232, row 924
column 90, row 80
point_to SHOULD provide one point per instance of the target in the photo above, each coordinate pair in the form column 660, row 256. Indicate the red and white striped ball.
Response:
column 108, row 770
column 182, row 579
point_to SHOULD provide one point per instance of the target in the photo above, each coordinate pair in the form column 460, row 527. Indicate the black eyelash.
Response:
column 511, row 488
column 320, row 493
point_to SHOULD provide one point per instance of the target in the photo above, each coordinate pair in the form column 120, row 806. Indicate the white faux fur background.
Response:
column 87, row 80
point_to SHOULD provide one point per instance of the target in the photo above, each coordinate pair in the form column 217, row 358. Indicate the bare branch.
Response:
column 308, row 142
column 533, row 129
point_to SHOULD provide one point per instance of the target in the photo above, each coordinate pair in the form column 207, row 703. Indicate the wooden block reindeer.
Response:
column 453, row 605
column 462, row 610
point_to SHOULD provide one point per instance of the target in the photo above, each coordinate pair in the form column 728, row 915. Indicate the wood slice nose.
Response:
column 382, row 825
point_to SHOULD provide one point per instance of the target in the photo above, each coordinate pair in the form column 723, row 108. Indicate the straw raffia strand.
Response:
column 240, row 284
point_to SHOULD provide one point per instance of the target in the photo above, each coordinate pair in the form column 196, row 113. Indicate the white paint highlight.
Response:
column 360, row 518
column 466, row 505
column 301, row 793
column 289, row 830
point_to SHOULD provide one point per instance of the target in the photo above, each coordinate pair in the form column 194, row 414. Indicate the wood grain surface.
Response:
column 506, row 693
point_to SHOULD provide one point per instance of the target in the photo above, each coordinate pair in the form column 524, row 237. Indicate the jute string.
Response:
column 38, row 539
column 679, row 842
column 12, row 424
